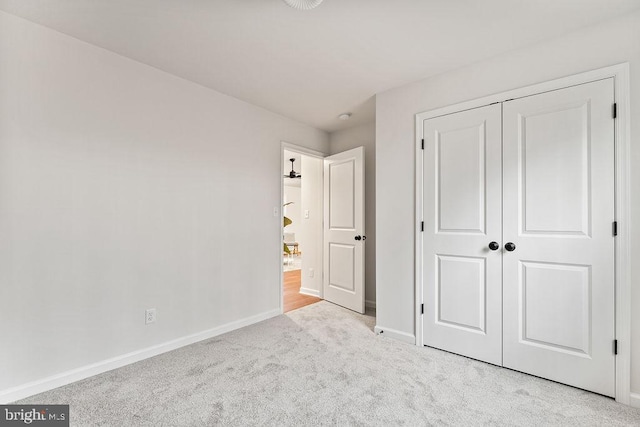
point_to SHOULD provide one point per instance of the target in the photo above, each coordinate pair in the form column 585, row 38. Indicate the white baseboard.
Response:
column 634, row 400
column 369, row 303
column 64, row 378
column 310, row 292
column 397, row 335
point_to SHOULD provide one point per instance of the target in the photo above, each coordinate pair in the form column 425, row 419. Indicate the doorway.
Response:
column 325, row 247
column 302, row 229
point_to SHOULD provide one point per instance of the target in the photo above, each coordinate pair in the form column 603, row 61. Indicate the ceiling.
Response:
column 313, row 65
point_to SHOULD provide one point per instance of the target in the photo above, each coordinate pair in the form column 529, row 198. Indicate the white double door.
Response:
column 518, row 249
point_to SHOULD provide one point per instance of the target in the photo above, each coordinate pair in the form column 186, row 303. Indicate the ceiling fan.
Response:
column 293, row 173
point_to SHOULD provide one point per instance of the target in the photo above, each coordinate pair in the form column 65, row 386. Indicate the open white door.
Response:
column 344, row 240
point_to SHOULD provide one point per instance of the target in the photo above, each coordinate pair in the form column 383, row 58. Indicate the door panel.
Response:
column 461, row 292
column 560, row 322
column 554, row 169
column 341, row 195
column 343, row 278
column 459, row 150
column 342, row 259
column 558, row 209
column 462, row 211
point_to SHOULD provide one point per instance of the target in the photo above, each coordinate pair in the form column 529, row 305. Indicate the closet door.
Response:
column 559, row 248
column 462, row 216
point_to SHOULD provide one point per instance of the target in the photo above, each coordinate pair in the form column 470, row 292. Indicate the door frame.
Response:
column 307, row 152
column 622, row 131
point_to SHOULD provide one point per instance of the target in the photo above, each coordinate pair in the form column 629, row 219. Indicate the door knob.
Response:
column 358, row 237
column 494, row 246
column 364, row 237
column 510, row 247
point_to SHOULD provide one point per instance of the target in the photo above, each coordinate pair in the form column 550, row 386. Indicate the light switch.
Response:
column 275, row 211
column 306, row 214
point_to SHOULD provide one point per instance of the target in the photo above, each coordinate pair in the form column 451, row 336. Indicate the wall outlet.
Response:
column 149, row 316
column 276, row 211
column 311, row 272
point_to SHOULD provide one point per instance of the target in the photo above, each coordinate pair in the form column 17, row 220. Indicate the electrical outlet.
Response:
column 311, row 272
column 150, row 316
column 276, row 211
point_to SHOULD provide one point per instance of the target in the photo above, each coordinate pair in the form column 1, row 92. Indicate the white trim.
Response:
column 615, row 71
column 419, row 205
column 634, row 400
column 369, row 303
column 310, row 292
column 622, row 242
column 301, row 150
column 620, row 74
column 68, row 377
column 397, row 335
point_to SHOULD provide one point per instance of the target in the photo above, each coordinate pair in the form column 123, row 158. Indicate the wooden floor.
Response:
column 293, row 299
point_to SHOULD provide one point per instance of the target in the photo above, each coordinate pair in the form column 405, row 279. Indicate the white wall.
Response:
column 599, row 46
column 311, row 230
column 294, row 210
column 124, row 188
column 364, row 135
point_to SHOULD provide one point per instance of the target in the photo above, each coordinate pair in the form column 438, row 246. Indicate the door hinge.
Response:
column 422, row 226
column 615, row 228
column 615, row 346
column 423, row 143
column 421, row 308
column 615, row 110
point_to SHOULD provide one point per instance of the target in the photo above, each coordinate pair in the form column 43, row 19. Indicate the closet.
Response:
column 518, row 247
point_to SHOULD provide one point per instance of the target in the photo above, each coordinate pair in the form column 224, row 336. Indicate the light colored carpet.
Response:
column 323, row 365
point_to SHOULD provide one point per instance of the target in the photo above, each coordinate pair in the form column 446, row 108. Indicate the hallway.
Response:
column 293, row 299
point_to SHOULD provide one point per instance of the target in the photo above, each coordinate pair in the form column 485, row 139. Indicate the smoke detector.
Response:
column 344, row 116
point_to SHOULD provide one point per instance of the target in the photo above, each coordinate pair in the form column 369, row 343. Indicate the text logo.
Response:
column 36, row 415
